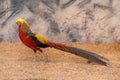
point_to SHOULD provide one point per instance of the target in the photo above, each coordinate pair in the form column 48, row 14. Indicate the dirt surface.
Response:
column 17, row 62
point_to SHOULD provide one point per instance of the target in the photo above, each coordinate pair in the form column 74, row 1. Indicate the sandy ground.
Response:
column 17, row 62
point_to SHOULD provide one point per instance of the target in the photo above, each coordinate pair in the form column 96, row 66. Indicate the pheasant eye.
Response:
column 18, row 23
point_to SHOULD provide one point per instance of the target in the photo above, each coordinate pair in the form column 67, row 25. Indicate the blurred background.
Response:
column 63, row 20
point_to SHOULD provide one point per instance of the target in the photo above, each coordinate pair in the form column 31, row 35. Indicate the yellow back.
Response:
column 41, row 39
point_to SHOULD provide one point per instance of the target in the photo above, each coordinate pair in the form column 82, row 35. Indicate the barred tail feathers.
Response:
column 92, row 57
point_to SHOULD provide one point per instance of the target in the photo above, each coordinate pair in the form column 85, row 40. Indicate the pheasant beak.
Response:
column 18, row 23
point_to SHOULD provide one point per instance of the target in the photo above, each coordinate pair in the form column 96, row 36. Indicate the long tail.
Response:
column 92, row 57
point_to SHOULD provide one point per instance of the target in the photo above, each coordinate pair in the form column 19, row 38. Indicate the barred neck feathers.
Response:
column 23, row 25
column 25, row 28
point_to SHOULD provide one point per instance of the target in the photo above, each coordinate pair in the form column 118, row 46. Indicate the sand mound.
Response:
column 17, row 62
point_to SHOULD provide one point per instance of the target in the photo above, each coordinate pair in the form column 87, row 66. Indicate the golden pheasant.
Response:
column 36, row 41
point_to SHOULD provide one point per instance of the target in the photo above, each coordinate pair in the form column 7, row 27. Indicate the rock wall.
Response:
column 63, row 20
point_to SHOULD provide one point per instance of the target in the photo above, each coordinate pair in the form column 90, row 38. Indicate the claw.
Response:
column 34, row 51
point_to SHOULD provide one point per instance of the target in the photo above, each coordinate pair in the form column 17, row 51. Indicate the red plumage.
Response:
column 28, row 41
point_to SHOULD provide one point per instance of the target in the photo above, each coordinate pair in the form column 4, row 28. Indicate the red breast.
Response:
column 28, row 41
